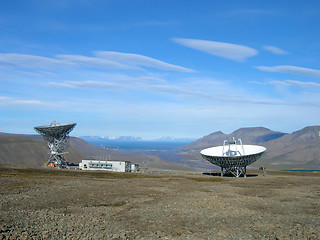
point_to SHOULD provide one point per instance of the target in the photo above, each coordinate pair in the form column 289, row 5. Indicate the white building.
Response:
column 134, row 167
column 107, row 165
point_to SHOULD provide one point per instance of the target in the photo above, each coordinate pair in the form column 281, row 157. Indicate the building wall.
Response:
column 134, row 167
column 114, row 166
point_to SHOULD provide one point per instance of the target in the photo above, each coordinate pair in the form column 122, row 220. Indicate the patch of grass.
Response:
column 293, row 173
column 58, row 173
column 206, row 179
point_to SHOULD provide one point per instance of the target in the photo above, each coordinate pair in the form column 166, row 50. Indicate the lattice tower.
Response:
column 57, row 137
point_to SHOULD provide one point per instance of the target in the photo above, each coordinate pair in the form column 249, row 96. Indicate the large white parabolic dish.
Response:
column 233, row 156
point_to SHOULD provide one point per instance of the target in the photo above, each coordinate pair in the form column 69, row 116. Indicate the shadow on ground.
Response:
column 217, row 174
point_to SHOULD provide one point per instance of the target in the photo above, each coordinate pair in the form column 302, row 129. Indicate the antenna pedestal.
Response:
column 57, row 160
column 236, row 171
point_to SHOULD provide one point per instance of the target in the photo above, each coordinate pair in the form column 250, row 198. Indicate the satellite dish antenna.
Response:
column 57, row 137
column 233, row 157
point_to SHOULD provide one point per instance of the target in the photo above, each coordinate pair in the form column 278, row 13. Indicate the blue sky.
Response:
column 159, row 68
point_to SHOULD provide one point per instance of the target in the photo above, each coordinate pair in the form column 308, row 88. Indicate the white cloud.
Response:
column 28, row 102
column 178, row 91
column 113, row 81
column 15, row 101
column 140, row 60
column 149, row 79
column 230, row 51
column 188, row 92
column 308, row 72
column 120, row 77
column 275, row 50
column 3, row 98
column 295, row 83
column 86, row 84
column 95, row 62
column 30, row 61
column 303, row 84
column 103, row 60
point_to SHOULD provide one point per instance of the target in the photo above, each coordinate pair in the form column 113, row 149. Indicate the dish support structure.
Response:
column 233, row 159
column 234, row 170
column 57, row 138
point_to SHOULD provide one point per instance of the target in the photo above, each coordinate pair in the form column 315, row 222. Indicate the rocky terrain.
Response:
column 38, row 203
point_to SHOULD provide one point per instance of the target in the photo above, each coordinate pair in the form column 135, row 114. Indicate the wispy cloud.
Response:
column 140, row 60
column 229, row 51
column 303, row 84
column 178, row 91
column 4, row 100
column 275, row 50
column 95, row 62
column 102, row 59
column 308, row 72
column 36, row 104
column 87, row 84
column 132, row 79
column 110, row 81
column 30, row 61
column 187, row 92
column 295, row 83
column 183, row 91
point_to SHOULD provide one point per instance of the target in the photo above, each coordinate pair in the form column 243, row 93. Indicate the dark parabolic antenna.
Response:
column 233, row 157
column 57, row 137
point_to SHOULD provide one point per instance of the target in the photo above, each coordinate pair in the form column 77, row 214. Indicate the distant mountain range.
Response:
column 104, row 140
column 300, row 149
column 107, row 139
column 131, row 138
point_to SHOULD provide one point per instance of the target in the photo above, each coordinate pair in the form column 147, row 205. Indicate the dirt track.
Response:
column 42, row 204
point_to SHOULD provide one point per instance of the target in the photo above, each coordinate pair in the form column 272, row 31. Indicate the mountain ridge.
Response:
column 248, row 135
column 103, row 139
column 299, row 149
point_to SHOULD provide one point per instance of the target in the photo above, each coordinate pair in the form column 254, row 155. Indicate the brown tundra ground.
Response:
column 70, row 204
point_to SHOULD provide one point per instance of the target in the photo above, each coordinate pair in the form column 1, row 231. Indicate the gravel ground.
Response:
column 50, row 204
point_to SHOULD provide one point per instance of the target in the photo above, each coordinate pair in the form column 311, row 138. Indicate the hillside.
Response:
column 300, row 149
column 21, row 149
